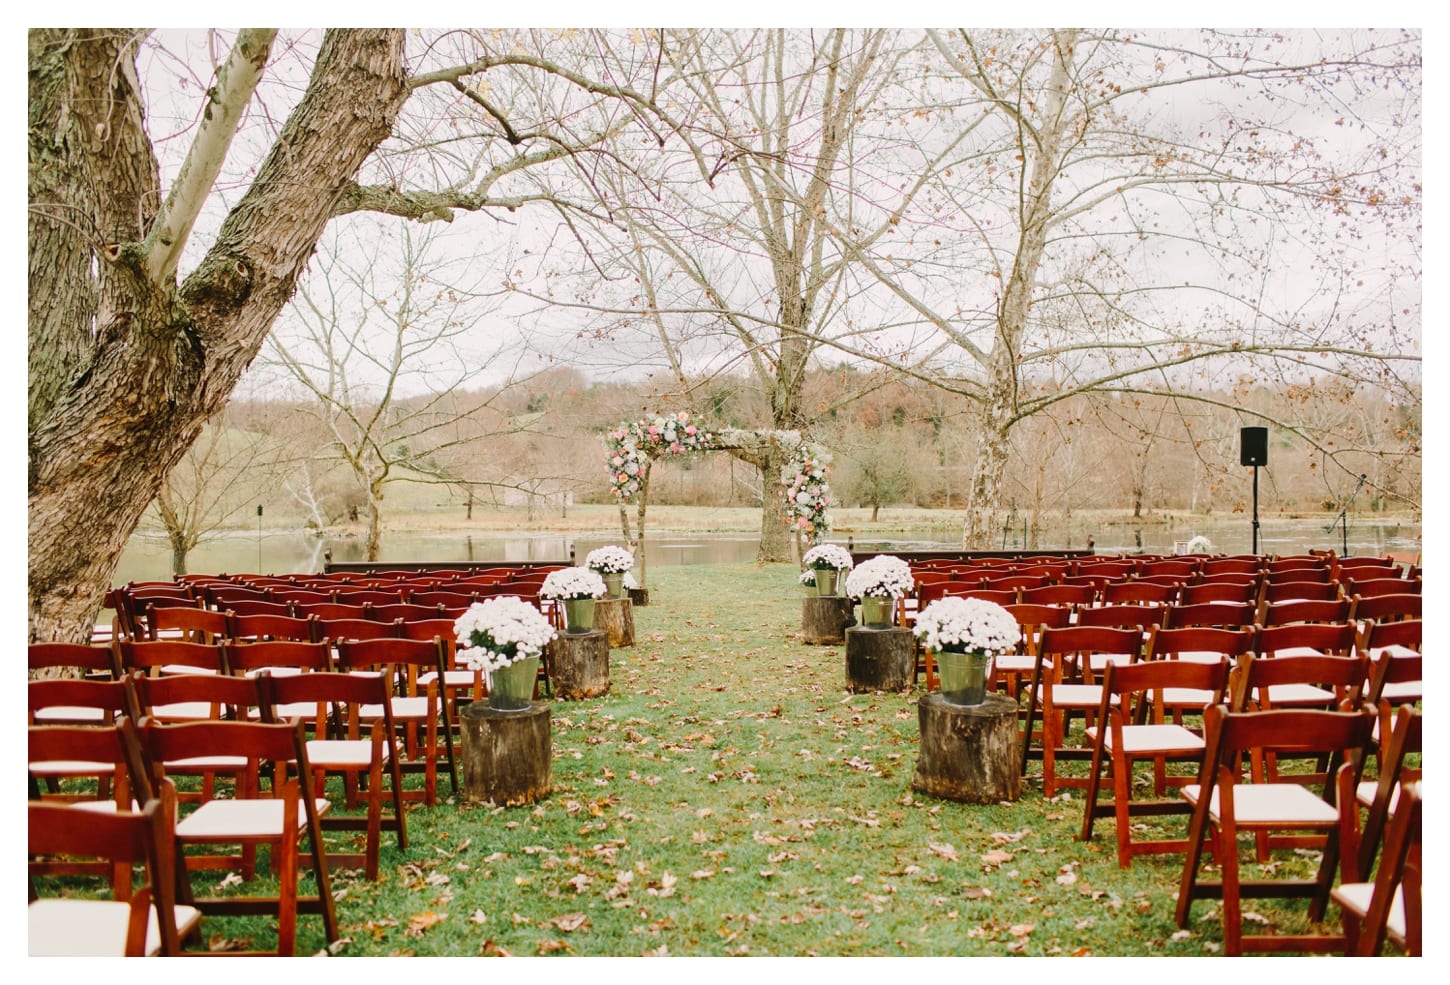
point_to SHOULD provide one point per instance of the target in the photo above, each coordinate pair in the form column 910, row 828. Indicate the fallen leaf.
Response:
column 421, row 922
column 947, row 852
column 570, row 922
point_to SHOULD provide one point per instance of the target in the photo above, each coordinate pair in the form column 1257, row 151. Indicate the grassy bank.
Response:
column 729, row 797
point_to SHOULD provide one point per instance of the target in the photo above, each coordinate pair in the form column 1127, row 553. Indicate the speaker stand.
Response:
column 1256, row 510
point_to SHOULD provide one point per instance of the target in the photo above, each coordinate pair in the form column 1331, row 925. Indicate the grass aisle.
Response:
column 728, row 797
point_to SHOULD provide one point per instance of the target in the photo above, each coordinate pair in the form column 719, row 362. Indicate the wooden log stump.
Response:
column 880, row 659
column 507, row 755
column 616, row 617
column 824, row 619
column 579, row 663
column 970, row 754
column 639, row 596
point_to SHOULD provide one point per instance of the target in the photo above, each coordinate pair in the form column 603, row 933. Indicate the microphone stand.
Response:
column 1342, row 521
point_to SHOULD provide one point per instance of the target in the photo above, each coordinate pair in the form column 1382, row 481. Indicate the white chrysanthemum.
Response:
column 966, row 624
column 500, row 631
column 827, row 556
column 609, row 560
column 573, row 583
column 881, row 576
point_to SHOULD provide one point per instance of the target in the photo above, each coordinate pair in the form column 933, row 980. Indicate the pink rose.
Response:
column 690, row 429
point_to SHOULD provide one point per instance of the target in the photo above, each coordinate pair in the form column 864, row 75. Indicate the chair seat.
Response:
column 73, row 715
column 186, row 669
column 242, row 820
column 1141, row 739
column 1019, row 663
column 1290, row 695
column 1270, row 803
column 409, row 709
column 1356, row 896
column 1186, row 697
column 211, row 763
column 342, row 753
column 1399, row 692
column 451, row 678
column 1199, row 656
column 183, row 711
column 1364, row 794
column 94, row 928
column 1075, row 695
column 77, row 767
column 1299, row 651
column 274, row 671
column 1098, row 661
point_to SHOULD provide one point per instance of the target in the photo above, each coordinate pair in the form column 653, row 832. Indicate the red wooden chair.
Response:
column 1224, row 806
column 1132, row 725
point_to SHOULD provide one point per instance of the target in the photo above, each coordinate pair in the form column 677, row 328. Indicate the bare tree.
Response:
column 384, row 335
column 128, row 354
column 1135, row 200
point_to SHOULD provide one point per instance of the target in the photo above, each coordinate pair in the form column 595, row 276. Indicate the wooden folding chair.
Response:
column 147, row 921
column 1063, row 686
column 173, row 698
column 1224, row 807
column 1132, row 726
column 279, row 818
column 417, row 710
column 1391, row 906
column 340, row 747
column 74, row 659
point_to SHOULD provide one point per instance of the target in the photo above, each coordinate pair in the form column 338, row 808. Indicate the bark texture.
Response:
column 125, row 368
column 969, row 754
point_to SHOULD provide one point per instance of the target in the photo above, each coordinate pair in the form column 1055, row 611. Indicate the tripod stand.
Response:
column 1342, row 520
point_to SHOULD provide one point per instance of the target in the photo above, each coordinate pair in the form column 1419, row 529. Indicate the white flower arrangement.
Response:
column 1200, row 545
column 609, row 560
column 881, row 576
column 573, row 583
column 808, row 578
column 966, row 625
column 501, row 631
column 824, row 556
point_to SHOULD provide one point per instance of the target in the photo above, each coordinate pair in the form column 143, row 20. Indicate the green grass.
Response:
column 729, row 797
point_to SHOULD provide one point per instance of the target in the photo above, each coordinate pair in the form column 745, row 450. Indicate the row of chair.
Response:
column 273, row 807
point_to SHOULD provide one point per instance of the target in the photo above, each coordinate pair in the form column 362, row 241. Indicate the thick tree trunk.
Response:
column 118, row 395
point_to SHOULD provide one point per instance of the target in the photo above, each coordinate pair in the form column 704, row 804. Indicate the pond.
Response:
column 283, row 553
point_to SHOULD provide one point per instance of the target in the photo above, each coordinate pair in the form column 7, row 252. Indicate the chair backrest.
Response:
column 1305, row 610
column 76, row 701
column 941, row 588
column 89, row 659
column 1121, row 615
column 1171, row 644
column 193, row 697
column 249, row 658
column 443, row 598
column 1401, row 867
column 1062, row 645
column 330, row 610
column 1143, row 685
column 301, row 596
column 374, row 654
column 260, row 627
column 1330, row 638
column 1382, row 608
column 326, row 690
column 187, row 623
column 336, row 630
column 369, row 596
column 1229, row 736
column 1033, row 618
column 1343, row 677
column 1382, row 586
column 1238, row 592
column 251, row 606
column 406, row 611
column 115, row 745
column 1078, row 595
column 174, row 655
column 1231, row 565
column 1284, row 591
column 125, row 838
column 427, row 629
column 1226, row 615
column 276, row 743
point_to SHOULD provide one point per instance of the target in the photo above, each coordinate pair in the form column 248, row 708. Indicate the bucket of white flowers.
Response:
column 504, row 637
column 610, row 563
column 826, row 562
column 575, row 590
column 964, row 635
column 878, row 582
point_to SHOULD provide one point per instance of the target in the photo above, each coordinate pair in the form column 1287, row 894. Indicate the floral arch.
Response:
column 633, row 448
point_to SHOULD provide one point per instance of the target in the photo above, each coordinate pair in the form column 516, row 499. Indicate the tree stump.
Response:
column 639, row 596
column 970, row 754
column 616, row 617
column 880, row 659
column 507, row 755
column 824, row 619
column 580, row 665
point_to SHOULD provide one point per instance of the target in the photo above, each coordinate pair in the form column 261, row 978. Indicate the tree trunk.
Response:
column 127, row 364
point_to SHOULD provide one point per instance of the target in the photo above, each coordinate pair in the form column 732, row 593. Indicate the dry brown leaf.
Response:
column 421, row 922
column 946, row 851
column 570, row 922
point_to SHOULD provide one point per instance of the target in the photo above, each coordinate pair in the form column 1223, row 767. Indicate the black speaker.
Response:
column 1253, row 446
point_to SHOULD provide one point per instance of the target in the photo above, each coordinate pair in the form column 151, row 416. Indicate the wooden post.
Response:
column 824, row 619
column 616, row 617
column 969, row 753
column 507, row 755
column 580, row 665
column 880, row 659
